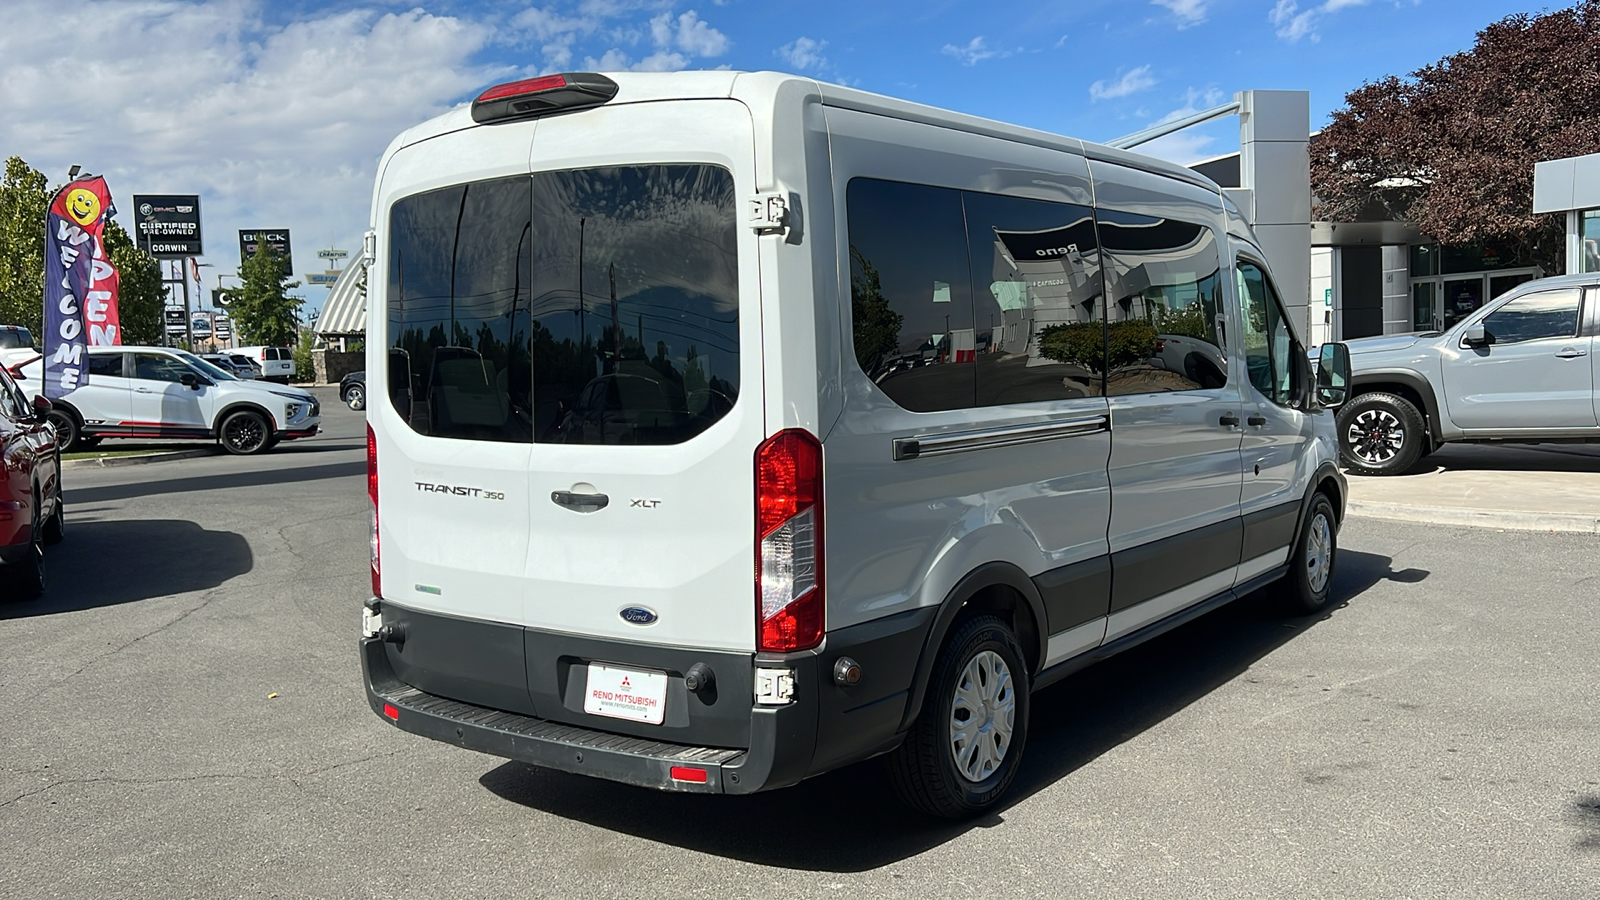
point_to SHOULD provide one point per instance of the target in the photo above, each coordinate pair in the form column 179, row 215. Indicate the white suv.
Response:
column 158, row 392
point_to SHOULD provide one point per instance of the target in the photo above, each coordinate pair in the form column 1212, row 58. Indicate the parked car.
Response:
column 16, row 346
column 31, row 511
column 228, row 364
column 1524, row 368
column 248, row 367
column 160, row 392
column 277, row 363
column 684, row 540
column 353, row 390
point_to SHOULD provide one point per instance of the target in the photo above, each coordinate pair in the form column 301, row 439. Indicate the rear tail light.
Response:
column 546, row 94
column 372, row 498
column 789, row 571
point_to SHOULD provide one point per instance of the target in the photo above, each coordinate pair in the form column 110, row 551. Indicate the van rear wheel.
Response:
column 963, row 752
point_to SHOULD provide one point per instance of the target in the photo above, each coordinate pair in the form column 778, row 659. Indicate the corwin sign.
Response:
column 168, row 225
column 250, row 242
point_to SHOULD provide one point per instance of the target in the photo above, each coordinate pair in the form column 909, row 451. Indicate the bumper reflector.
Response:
column 684, row 773
column 390, row 711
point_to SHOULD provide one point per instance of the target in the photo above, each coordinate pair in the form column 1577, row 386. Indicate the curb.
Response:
column 1477, row 518
column 107, row 462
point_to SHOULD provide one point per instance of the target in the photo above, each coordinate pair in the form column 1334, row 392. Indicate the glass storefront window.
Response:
column 1589, row 230
column 1424, row 260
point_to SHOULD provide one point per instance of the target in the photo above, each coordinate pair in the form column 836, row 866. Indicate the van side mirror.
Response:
column 1475, row 336
column 1333, row 375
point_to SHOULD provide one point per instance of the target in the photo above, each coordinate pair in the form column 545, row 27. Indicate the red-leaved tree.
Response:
column 1451, row 148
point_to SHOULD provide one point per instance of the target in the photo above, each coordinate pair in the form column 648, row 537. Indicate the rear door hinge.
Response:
column 768, row 212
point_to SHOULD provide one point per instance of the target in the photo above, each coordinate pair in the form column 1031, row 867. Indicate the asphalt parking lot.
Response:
column 183, row 717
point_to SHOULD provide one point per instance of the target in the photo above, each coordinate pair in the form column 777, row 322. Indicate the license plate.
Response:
column 626, row 694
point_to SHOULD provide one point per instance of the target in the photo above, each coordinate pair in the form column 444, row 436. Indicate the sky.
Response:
column 276, row 111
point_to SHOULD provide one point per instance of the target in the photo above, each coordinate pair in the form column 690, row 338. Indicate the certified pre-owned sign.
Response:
column 250, row 241
column 168, row 225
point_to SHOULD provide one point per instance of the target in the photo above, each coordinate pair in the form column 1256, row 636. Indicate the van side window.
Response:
column 1164, row 284
column 1039, row 299
column 1267, row 340
column 911, row 293
column 458, row 309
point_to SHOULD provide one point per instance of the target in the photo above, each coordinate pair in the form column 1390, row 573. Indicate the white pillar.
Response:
column 1396, row 289
column 1275, row 167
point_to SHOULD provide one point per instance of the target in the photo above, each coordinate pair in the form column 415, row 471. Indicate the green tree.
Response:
column 305, row 365
column 141, row 295
column 1452, row 146
column 262, row 310
column 874, row 324
column 24, row 203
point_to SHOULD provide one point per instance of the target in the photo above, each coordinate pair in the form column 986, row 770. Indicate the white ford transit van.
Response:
column 727, row 428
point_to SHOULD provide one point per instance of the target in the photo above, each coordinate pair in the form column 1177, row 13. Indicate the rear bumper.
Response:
column 780, row 739
column 519, row 693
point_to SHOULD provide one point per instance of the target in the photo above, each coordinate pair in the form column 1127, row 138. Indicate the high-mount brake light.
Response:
column 545, row 94
column 790, row 608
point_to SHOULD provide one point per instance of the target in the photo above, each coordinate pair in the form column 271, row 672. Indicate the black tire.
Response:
column 67, row 431
column 926, row 772
column 1308, row 587
column 55, row 527
column 1380, row 434
column 245, row 432
column 355, row 397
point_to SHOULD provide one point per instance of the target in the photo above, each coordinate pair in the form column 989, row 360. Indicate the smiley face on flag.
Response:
column 83, row 206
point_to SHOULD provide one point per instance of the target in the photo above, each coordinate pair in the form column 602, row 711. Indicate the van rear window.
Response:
column 593, row 306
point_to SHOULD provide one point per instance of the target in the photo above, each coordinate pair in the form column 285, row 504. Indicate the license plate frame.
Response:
column 624, row 692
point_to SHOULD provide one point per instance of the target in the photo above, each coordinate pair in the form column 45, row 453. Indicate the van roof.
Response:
column 650, row 87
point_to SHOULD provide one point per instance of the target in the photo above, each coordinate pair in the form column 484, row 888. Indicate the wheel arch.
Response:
column 237, row 405
column 1406, row 383
column 994, row 588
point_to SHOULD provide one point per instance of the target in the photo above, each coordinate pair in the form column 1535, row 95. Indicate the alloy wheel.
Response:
column 244, row 433
column 1375, row 436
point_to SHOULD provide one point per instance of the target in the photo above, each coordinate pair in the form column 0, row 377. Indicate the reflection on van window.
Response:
column 1039, row 299
column 458, row 311
column 597, row 306
column 1166, row 295
column 635, row 304
column 911, row 293
column 1267, row 342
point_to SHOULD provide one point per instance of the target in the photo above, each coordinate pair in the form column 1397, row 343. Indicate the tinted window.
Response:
column 12, row 403
column 911, row 293
column 1546, row 314
column 159, row 367
column 1163, row 281
column 109, row 364
column 458, row 311
column 1267, row 341
column 591, row 306
column 13, row 338
column 1039, row 299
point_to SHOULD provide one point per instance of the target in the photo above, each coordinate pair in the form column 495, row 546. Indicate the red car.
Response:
column 31, row 514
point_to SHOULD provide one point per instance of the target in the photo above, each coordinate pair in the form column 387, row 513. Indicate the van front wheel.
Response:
column 963, row 752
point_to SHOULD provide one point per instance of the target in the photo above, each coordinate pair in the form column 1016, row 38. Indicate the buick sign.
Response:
column 638, row 615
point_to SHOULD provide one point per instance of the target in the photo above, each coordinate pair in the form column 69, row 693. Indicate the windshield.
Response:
column 206, row 368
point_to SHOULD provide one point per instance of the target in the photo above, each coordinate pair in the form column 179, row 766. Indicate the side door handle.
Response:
column 580, row 502
column 1229, row 420
column 143, row 390
column 1257, row 420
column 1571, row 353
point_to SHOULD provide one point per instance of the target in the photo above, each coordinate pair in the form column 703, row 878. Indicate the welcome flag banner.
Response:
column 79, row 283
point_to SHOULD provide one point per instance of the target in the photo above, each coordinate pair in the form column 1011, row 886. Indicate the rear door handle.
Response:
column 580, row 502
column 1571, row 353
column 1257, row 420
column 1229, row 420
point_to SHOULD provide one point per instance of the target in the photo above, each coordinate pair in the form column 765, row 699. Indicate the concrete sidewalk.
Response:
column 1543, row 487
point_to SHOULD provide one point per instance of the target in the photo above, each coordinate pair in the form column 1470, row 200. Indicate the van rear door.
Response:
column 647, row 377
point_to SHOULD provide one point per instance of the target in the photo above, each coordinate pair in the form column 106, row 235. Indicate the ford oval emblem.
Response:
column 638, row 615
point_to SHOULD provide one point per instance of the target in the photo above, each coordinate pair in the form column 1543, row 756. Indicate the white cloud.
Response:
column 976, row 51
column 1190, row 144
column 698, row 38
column 1293, row 23
column 1188, row 12
column 1131, row 82
column 804, row 53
